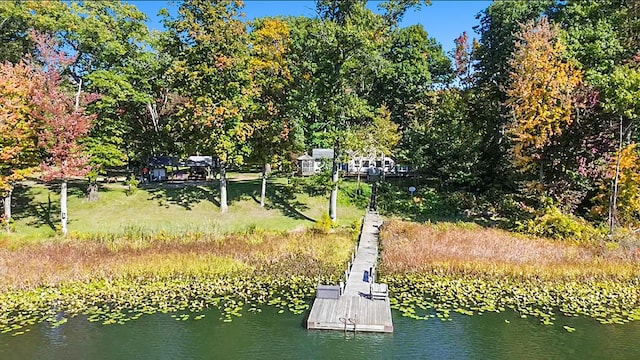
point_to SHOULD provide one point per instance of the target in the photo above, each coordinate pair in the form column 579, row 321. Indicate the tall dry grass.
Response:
column 276, row 253
column 412, row 247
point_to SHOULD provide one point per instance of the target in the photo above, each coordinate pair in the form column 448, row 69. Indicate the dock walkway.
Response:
column 360, row 305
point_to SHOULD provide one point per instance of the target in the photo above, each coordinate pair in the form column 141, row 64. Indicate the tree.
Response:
column 415, row 64
column 378, row 138
column 110, row 45
column 540, row 96
column 345, row 44
column 274, row 132
column 18, row 151
column 621, row 98
column 463, row 57
column 499, row 24
column 62, row 122
column 211, row 70
column 14, row 40
column 442, row 140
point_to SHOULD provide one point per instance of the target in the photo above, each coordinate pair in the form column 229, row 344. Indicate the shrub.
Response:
column 554, row 224
column 324, row 225
column 8, row 225
column 132, row 184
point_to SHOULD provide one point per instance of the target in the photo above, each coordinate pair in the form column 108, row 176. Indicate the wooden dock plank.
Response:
column 372, row 315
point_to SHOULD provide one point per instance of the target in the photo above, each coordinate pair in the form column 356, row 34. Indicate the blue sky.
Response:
column 444, row 20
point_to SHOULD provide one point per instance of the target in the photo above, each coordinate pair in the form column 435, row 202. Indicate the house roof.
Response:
column 304, row 157
column 197, row 160
column 322, row 153
column 160, row 161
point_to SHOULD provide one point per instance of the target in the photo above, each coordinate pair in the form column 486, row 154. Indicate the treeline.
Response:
column 540, row 110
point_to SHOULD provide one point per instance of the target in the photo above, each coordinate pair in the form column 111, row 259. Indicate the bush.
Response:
column 8, row 225
column 554, row 224
column 132, row 184
column 324, row 225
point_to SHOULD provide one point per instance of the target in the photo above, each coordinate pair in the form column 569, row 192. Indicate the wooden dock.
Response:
column 359, row 305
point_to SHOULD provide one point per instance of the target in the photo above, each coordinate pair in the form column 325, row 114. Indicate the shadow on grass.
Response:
column 184, row 194
column 45, row 212
column 426, row 205
column 283, row 199
column 26, row 206
column 189, row 193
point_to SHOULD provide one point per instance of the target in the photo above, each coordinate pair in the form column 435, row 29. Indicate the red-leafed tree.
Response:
column 463, row 57
column 62, row 121
column 17, row 136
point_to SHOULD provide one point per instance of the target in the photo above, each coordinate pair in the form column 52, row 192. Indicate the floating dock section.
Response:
column 359, row 304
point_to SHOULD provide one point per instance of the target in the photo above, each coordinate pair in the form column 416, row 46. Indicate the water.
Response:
column 269, row 335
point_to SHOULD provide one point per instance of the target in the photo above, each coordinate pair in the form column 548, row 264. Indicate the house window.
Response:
column 307, row 166
column 378, row 163
column 356, row 162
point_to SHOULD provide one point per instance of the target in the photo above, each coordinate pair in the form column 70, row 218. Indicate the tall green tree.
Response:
column 211, row 69
column 347, row 43
column 443, row 142
column 109, row 43
column 377, row 139
column 415, row 64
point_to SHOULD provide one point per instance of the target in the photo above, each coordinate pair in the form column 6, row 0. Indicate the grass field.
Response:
column 172, row 208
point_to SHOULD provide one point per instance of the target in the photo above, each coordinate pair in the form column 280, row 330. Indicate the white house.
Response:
column 371, row 165
column 366, row 165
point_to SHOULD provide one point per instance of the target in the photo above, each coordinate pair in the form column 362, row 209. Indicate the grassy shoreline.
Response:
column 432, row 270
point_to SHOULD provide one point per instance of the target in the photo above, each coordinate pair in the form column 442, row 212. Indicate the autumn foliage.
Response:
column 628, row 201
column 61, row 120
column 541, row 92
column 17, row 143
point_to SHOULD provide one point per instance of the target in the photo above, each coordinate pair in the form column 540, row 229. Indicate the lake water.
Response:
column 269, row 335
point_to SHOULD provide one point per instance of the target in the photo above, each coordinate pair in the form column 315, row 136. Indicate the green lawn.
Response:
column 174, row 208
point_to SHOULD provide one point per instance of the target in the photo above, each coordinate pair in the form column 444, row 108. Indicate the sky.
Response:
column 443, row 20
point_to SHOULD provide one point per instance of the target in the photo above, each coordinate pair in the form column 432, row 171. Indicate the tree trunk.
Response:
column 382, row 176
column 223, row 188
column 63, row 207
column 7, row 209
column 333, row 202
column 263, row 190
column 78, row 93
column 613, row 206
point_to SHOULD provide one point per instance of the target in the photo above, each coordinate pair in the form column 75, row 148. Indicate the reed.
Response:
column 412, row 247
column 53, row 262
column 433, row 270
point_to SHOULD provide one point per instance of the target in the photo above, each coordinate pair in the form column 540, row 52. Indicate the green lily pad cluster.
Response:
column 429, row 295
column 185, row 297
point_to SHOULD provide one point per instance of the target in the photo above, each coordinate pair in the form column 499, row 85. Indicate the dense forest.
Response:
column 534, row 121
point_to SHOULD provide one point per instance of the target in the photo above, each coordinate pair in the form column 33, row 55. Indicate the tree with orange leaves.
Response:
column 18, row 151
column 540, row 95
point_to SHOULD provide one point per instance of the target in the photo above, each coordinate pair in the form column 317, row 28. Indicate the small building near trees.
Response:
column 306, row 165
column 363, row 164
